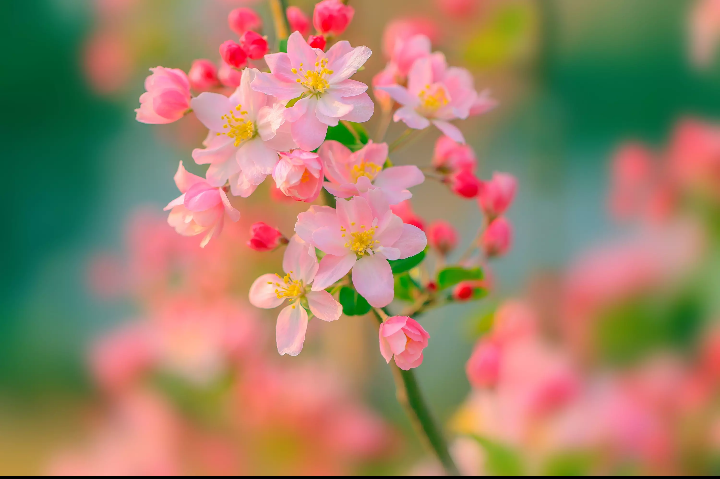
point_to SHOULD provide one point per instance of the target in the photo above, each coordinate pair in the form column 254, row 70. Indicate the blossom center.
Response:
column 238, row 128
column 361, row 242
column 314, row 80
column 433, row 98
column 289, row 288
column 366, row 169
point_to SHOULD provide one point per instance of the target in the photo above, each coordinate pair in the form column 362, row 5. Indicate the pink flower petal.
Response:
column 395, row 182
column 373, row 279
column 301, row 260
column 279, row 64
column 209, row 109
column 332, row 269
column 411, row 242
column 324, row 306
column 331, row 240
column 400, row 94
column 290, row 329
column 313, row 219
column 450, row 130
column 333, row 106
column 347, row 65
column 262, row 292
column 219, row 173
column 348, row 88
column 185, row 180
column 355, row 213
column 411, row 118
column 271, row 85
column 308, row 132
column 363, row 108
column 301, row 54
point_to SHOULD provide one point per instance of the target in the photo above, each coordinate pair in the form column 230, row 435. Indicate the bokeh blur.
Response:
column 125, row 348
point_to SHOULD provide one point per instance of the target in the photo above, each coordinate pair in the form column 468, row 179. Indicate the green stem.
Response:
column 410, row 397
column 282, row 27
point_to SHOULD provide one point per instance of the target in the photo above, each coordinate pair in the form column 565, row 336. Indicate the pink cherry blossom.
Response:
column 332, row 17
column 201, row 209
column 435, row 94
column 704, row 31
column 322, row 83
column 496, row 195
column 203, row 75
column 405, row 28
column 270, row 291
column 243, row 19
column 167, row 98
column 265, row 238
column 246, row 134
column 351, row 174
column 451, row 156
column 405, row 339
column 361, row 235
column 299, row 174
column 299, row 22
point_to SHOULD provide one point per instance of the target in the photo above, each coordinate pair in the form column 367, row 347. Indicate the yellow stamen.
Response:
column 314, row 80
column 289, row 289
column 366, row 169
column 238, row 128
column 431, row 102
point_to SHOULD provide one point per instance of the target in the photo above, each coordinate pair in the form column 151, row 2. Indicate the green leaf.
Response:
column 402, row 265
column 405, row 288
column 282, row 46
column 292, row 102
column 455, row 274
column 353, row 304
column 342, row 134
column 500, row 460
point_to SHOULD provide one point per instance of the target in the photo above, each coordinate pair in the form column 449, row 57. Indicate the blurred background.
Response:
column 609, row 117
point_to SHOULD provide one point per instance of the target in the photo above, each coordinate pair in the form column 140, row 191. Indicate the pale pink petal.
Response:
column 300, row 52
column 232, row 213
column 378, row 202
column 219, row 151
column 331, row 240
column 348, row 88
column 327, row 120
column 411, row 118
column 240, row 186
column 308, row 132
column 411, row 242
column 396, row 180
column 332, row 269
column 300, row 260
column 324, row 306
column 219, row 173
column 483, row 103
column 282, row 141
column 373, row 279
column 450, row 130
column 185, row 180
column 210, row 107
column 389, row 230
column 269, row 120
column 397, row 342
column 407, row 365
column 335, row 156
column 354, row 213
column 251, row 100
column 385, row 348
column 348, row 64
column 333, row 106
column 400, row 94
column 270, row 85
column 337, row 51
column 201, row 197
column 298, row 110
column 279, row 64
column 313, row 219
column 341, row 191
column 363, row 108
column 389, row 253
column 262, row 292
column 290, row 330
column 421, row 75
column 257, row 160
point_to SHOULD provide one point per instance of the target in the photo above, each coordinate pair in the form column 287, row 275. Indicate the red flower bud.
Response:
column 463, row 291
column 496, row 195
column 497, row 238
column 265, row 238
column 317, row 41
column 299, row 22
column 244, row 19
column 442, row 236
column 255, row 45
column 203, row 75
column 233, row 54
column 464, row 183
column 331, row 17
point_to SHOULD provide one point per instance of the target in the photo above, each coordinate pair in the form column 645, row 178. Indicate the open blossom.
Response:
column 353, row 173
column 201, row 208
column 405, row 339
column 299, row 22
column 435, row 94
column 299, row 174
column 496, row 195
column 167, row 97
column 332, row 17
column 245, row 137
column 265, row 238
column 361, row 235
column 451, row 156
column 270, row 291
column 323, row 82
column 203, row 75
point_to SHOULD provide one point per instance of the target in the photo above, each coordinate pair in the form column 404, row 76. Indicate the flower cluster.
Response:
column 283, row 119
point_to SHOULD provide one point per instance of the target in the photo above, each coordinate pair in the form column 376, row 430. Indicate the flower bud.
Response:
column 442, row 236
column 464, row 183
column 265, row 238
column 405, row 212
column 403, row 338
column 317, row 41
column 497, row 238
column 243, row 19
column 299, row 22
column 299, row 174
column 331, row 17
column 233, row 54
column 203, row 75
column 254, row 44
column 483, row 368
column 496, row 195
column 451, row 156
column 463, row 291
column 167, row 97
column 229, row 76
